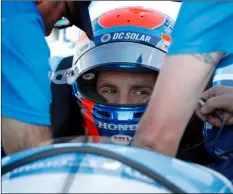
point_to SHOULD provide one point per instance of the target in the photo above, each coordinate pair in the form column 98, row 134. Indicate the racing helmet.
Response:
column 127, row 39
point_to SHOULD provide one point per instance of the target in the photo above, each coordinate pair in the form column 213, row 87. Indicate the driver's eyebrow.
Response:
column 106, row 85
column 139, row 86
column 135, row 86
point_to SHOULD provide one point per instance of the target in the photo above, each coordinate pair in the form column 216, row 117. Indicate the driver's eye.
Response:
column 109, row 91
column 141, row 92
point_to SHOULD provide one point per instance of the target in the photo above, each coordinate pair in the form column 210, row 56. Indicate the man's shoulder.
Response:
column 15, row 8
column 23, row 29
column 207, row 28
column 20, row 16
column 208, row 8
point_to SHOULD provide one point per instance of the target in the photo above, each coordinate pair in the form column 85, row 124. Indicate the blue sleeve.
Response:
column 203, row 27
column 25, row 64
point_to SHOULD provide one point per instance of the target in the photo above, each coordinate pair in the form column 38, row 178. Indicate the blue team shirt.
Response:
column 204, row 27
column 25, row 64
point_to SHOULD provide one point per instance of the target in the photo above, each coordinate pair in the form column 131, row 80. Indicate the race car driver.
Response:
column 112, row 78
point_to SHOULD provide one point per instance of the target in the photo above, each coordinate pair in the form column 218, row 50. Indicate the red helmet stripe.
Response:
column 89, row 120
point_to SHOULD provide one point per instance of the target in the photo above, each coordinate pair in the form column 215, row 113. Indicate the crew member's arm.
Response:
column 25, row 82
column 202, row 35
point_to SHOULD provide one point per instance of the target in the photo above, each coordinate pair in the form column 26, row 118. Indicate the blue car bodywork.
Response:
column 188, row 177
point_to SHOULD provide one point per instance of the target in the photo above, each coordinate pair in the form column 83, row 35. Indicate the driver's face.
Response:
column 125, row 87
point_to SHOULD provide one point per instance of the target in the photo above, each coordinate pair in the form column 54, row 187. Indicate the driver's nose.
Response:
column 124, row 97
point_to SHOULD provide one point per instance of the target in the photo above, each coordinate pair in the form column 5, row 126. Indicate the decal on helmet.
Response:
column 66, row 76
column 105, row 38
column 165, row 42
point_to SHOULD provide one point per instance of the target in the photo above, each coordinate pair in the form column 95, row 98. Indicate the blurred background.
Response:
column 62, row 42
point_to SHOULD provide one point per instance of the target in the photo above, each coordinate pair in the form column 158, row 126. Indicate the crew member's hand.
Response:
column 71, row 9
column 52, row 11
column 218, row 97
